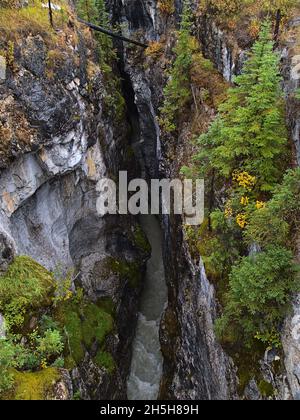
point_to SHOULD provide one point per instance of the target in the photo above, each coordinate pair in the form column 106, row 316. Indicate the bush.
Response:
column 50, row 344
column 266, row 228
column 166, row 7
column 25, row 285
column 11, row 356
column 260, row 293
column 279, row 219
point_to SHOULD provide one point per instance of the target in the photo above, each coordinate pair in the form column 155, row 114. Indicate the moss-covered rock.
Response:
column 84, row 325
column 266, row 389
column 128, row 270
column 105, row 360
column 141, row 240
column 25, row 286
column 34, row 385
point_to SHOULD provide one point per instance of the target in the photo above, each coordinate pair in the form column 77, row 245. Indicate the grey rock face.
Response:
column 252, row 392
column 228, row 56
column 7, row 251
column 2, row 69
column 2, row 327
column 48, row 194
column 195, row 366
column 63, row 389
column 291, row 346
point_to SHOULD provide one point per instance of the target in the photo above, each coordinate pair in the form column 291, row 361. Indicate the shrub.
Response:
column 166, row 7
column 25, row 285
column 276, row 222
column 11, row 356
column 259, row 296
column 50, row 344
column 154, row 49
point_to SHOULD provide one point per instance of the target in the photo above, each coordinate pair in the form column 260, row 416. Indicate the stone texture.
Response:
column 59, row 142
column 2, row 69
column 195, row 366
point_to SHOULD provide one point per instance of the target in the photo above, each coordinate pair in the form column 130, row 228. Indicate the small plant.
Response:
column 25, row 285
column 50, row 344
column 166, row 7
column 154, row 49
column 260, row 293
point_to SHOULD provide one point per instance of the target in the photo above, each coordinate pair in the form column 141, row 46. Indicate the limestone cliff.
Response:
column 58, row 138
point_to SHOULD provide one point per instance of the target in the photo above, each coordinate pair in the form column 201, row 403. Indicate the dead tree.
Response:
column 50, row 13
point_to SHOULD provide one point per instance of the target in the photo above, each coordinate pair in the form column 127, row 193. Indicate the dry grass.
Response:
column 34, row 19
column 243, row 18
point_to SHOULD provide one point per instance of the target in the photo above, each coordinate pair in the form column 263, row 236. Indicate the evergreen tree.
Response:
column 177, row 93
column 250, row 132
column 87, row 10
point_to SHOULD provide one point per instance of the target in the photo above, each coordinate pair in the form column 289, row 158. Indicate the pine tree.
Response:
column 250, row 132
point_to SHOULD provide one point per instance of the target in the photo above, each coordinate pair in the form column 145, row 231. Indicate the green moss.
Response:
column 34, row 385
column 127, row 270
column 105, row 360
column 247, row 361
column 107, row 305
column 83, row 325
column 26, row 285
column 141, row 240
column 72, row 328
column 266, row 389
column 96, row 324
column 26, row 278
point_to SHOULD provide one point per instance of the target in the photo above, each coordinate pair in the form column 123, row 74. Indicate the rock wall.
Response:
column 195, row 366
column 60, row 139
column 228, row 52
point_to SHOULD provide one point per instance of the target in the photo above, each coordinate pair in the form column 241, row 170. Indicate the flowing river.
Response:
column 146, row 366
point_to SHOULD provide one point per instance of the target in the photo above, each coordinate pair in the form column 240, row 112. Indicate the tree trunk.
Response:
column 50, row 13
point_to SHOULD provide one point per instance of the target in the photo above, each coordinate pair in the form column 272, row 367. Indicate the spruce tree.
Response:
column 250, row 132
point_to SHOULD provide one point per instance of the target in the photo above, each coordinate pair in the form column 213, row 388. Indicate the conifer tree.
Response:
column 250, row 132
column 177, row 93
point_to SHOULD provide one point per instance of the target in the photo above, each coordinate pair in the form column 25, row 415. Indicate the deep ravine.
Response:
column 146, row 365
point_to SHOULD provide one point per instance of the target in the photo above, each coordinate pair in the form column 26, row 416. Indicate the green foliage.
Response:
column 35, row 339
column 266, row 228
column 276, row 223
column 50, row 344
column 94, row 11
column 96, row 324
column 250, row 133
column 26, row 285
column 105, row 360
column 34, row 385
column 130, row 271
column 71, row 323
column 140, row 240
column 83, row 325
column 266, row 389
column 259, row 295
column 178, row 93
column 11, row 356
